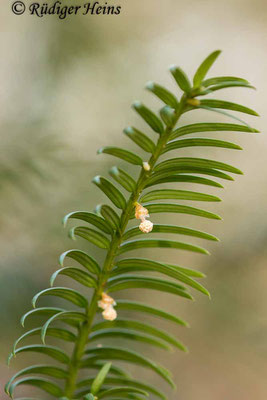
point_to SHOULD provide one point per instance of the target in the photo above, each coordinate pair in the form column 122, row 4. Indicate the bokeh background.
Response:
column 66, row 90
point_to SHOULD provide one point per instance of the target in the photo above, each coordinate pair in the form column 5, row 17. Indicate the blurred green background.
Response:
column 66, row 90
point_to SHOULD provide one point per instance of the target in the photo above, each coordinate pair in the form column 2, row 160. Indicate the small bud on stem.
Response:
column 146, row 166
column 193, row 102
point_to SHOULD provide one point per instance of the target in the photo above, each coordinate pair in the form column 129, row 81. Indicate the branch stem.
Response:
column 85, row 328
